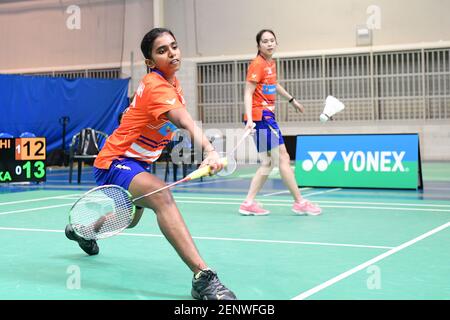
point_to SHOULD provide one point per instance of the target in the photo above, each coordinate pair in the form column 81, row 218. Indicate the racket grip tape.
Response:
column 205, row 171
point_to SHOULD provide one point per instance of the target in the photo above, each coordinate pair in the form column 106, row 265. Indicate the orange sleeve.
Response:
column 255, row 72
column 159, row 98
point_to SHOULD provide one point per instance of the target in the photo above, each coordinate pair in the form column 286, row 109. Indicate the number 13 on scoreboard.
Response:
column 30, row 148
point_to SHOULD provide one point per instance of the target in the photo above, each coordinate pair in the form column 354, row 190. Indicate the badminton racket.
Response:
column 231, row 166
column 107, row 210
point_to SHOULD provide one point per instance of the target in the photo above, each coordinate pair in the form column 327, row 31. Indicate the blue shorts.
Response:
column 120, row 173
column 268, row 135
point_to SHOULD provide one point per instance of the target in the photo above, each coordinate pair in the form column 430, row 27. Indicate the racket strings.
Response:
column 231, row 164
column 230, row 157
column 102, row 213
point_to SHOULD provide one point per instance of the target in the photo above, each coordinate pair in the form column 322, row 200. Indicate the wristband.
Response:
column 292, row 99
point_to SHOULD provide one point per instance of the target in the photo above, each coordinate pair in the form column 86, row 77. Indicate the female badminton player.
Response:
column 157, row 110
column 259, row 99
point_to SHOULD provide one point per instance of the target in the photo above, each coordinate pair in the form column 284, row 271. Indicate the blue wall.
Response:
column 36, row 104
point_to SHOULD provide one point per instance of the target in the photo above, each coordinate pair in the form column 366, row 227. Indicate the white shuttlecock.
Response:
column 332, row 106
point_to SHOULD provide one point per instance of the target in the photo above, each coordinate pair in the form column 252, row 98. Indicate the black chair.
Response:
column 85, row 147
column 186, row 157
column 167, row 158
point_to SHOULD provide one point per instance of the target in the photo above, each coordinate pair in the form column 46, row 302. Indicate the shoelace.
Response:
column 212, row 276
column 86, row 242
column 305, row 202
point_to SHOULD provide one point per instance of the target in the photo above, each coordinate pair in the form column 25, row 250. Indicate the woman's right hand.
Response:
column 212, row 160
column 250, row 126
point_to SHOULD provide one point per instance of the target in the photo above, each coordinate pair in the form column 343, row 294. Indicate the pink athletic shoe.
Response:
column 252, row 209
column 305, row 207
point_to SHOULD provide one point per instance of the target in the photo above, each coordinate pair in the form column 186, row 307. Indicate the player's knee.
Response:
column 266, row 163
column 266, row 166
column 163, row 199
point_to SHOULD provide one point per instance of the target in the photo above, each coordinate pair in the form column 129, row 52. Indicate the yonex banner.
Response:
column 360, row 161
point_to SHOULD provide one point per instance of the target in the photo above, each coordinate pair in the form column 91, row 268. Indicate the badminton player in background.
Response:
column 259, row 99
column 157, row 110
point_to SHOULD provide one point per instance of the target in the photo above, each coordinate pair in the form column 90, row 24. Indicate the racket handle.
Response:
column 204, row 171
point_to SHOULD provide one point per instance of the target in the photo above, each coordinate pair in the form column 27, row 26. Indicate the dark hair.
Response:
column 149, row 39
column 259, row 35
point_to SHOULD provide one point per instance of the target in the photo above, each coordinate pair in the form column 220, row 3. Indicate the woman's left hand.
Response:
column 298, row 105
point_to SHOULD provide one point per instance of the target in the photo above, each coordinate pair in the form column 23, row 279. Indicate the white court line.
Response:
column 238, row 203
column 274, row 193
column 386, row 208
column 366, row 264
column 39, row 199
column 350, row 207
column 321, row 192
column 220, row 239
column 322, row 201
column 389, row 203
column 274, row 173
column 280, row 192
column 31, row 230
column 247, row 175
column 36, row 209
column 76, row 195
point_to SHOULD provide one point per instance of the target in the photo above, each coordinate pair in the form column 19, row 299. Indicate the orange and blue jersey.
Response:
column 144, row 130
column 264, row 74
column 268, row 135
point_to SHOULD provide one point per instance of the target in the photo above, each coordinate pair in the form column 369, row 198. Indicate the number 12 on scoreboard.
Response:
column 30, row 148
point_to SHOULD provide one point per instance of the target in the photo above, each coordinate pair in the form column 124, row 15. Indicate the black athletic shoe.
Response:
column 88, row 246
column 207, row 286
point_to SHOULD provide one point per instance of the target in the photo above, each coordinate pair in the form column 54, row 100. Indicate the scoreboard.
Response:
column 22, row 159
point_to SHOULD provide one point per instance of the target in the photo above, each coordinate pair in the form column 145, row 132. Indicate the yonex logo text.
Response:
column 373, row 161
column 358, row 161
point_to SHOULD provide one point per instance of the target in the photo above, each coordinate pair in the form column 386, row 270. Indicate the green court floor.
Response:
column 367, row 244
